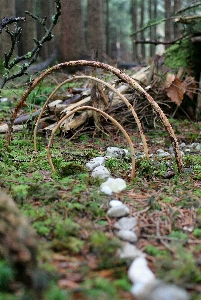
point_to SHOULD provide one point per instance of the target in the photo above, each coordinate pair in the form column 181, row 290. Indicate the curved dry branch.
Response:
column 106, row 116
column 120, row 75
column 130, row 107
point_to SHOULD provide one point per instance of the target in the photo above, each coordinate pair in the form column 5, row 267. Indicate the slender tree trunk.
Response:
column 168, row 23
column 142, row 36
column 152, row 15
column 45, row 11
column 26, row 42
column 177, row 27
column 72, row 44
column 134, row 8
column 107, row 28
column 95, row 27
column 7, row 10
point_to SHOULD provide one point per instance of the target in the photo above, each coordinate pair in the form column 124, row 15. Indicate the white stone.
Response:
column 106, row 190
column 95, row 162
column 139, row 271
column 116, row 152
column 160, row 151
column 182, row 145
column 126, row 223
column 171, row 149
column 118, row 211
column 113, row 203
column 115, row 184
column 126, row 235
column 163, row 154
column 3, row 99
column 129, row 251
column 198, row 147
column 100, row 172
column 159, row 290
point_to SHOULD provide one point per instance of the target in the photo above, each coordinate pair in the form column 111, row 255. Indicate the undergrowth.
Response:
column 68, row 213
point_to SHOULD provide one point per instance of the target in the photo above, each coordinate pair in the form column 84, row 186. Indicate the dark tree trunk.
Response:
column 6, row 10
column 45, row 11
column 142, row 36
column 72, row 44
column 107, row 28
column 26, row 42
column 168, row 23
column 152, row 15
column 134, row 9
column 177, row 26
column 95, row 27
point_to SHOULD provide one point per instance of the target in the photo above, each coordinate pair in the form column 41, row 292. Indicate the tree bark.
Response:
column 177, row 26
column 152, row 15
column 72, row 45
column 142, row 36
column 45, row 11
column 134, row 7
column 168, row 23
column 107, row 28
column 95, row 27
column 26, row 42
column 7, row 10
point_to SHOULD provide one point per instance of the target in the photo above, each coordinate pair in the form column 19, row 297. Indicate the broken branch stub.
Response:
column 119, row 74
column 106, row 116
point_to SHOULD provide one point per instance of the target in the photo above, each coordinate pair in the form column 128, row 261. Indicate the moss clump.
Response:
column 179, row 54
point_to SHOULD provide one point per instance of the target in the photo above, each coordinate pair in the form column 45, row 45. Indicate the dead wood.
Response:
column 126, row 78
column 75, row 123
column 107, row 117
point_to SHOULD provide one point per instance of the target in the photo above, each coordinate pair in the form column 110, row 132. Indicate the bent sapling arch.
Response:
column 106, row 116
column 120, row 75
column 130, row 107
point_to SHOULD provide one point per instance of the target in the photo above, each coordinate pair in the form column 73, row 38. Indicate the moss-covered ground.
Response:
column 78, row 248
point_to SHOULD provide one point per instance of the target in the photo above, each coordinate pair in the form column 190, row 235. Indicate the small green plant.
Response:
column 197, row 232
column 155, row 251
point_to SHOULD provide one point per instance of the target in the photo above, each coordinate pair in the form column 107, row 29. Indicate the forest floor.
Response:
column 78, row 248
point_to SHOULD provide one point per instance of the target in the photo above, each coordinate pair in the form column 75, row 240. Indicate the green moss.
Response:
column 179, row 54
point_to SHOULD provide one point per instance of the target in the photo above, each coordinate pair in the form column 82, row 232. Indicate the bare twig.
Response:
column 157, row 42
column 188, row 8
column 7, row 21
column 31, row 56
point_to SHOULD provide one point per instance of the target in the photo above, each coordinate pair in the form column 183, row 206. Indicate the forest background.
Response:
column 105, row 25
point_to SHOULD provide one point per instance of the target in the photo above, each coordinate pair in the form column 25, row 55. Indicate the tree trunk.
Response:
column 95, row 27
column 45, row 11
column 177, row 26
column 107, row 28
column 152, row 16
column 134, row 8
column 168, row 23
column 7, row 10
column 26, row 42
column 72, row 46
column 142, row 36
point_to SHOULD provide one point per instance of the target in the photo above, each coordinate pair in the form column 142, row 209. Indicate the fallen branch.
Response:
column 130, row 107
column 106, row 116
